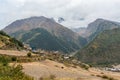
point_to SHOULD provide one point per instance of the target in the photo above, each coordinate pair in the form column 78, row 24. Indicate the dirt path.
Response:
column 13, row 52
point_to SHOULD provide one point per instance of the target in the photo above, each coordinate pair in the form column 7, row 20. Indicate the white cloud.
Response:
column 71, row 10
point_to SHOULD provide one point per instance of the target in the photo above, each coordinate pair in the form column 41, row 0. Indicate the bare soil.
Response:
column 13, row 52
column 46, row 68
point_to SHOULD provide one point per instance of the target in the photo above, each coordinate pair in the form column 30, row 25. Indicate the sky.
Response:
column 77, row 13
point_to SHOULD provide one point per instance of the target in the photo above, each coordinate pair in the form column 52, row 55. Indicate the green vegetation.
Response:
column 106, row 77
column 3, row 33
column 100, row 25
column 14, row 58
column 4, row 60
column 6, row 42
column 44, row 33
column 103, row 50
column 42, row 39
column 11, row 72
column 14, row 72
column 29, row 54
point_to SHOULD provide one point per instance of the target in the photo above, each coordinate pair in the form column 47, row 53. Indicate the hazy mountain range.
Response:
column 96, row 27
column 98, row 43
column 45, row 33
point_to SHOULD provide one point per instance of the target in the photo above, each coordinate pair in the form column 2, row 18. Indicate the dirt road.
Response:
column 13, row 52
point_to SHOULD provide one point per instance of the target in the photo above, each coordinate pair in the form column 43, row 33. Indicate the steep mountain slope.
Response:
column 97, row 27
column 44, row 40
column 80, row 31
column 104, row 49
column 6, row 42
column 50, row 31
column 100, row 25
column 40, row 22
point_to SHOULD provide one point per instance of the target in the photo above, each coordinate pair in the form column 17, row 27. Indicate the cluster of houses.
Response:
column 113, row 69
column 27, row 46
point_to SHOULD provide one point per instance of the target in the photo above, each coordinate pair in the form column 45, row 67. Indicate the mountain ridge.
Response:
column 20, row 27
column 96, row 27
column 103, row 50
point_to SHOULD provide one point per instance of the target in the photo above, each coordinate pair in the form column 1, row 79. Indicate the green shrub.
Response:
column 111, row 78
column 14, row 58
column 4, row 60
column 85, row 66
column 105, row 77
column 13, row 73
column 29, row 54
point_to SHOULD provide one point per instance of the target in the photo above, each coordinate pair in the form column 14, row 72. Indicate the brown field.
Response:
column 47, row 67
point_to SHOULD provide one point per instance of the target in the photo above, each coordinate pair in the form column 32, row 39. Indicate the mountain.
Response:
column 6, row 42
column 97, row 27
column 103, row 50
column 100, row 25
column 80, row 30
column 45, row 33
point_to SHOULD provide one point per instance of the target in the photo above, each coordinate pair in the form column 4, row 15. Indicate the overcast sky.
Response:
column 71, row 10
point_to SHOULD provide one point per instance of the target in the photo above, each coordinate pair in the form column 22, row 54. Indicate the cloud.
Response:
column 71, row 10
